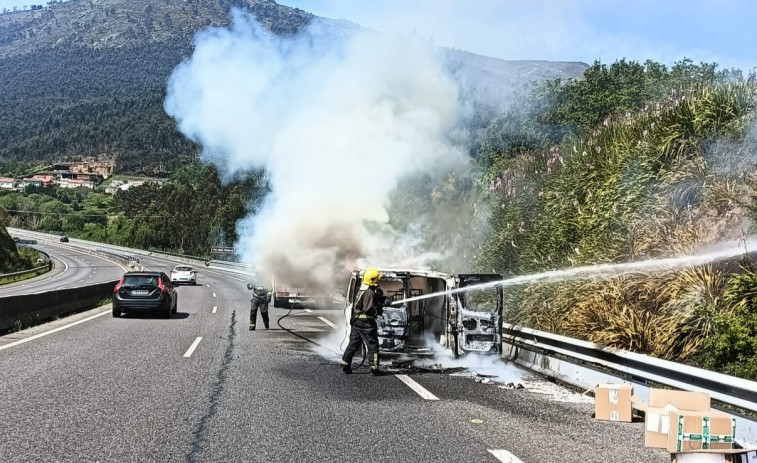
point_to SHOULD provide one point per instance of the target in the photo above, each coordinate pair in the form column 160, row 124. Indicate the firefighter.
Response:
column 368, row 305
column 260, row 300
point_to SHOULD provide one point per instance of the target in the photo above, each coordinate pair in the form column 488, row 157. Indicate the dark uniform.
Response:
column 368, row 306
column 260, row 300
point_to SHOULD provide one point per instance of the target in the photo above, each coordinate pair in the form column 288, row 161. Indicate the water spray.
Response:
column 604, row 270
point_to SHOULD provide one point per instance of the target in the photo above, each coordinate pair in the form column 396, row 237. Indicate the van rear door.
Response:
column 479, row 313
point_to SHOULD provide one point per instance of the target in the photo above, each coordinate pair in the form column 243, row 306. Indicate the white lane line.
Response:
column 420, row 390
column 307, row 310
column 80, row 281
column 208, row 286
column 504, row 456
column 193, row 347
column 60, row 328
column 214, row 294
column 327, row 321
column 215, row 307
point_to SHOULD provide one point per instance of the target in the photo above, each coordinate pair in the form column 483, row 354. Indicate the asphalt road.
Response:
column 73, row 267
column 134, row 389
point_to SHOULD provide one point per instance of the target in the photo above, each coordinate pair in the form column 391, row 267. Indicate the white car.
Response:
column 183, row 274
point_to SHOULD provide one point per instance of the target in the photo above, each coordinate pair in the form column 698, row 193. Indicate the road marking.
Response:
column 307, row 310
column 215, row 307
column 208, row 286
column 60, row 328
column 193, row 347
column 214, row 294
column 420, row 390
column 327, row 321
column 80, row 281
column 504, row 456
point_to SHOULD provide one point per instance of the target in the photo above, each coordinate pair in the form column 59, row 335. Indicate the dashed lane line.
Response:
column 420, row 390
column 327, row 321
column 215, row 307
column 307, row 310
column 214, row 294
column 193, row 347
column 60, row 328
column 504, row 456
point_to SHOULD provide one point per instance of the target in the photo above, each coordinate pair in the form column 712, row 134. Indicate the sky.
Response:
column 724, row 31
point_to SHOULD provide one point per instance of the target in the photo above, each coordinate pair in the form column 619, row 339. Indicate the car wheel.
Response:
column 168, row 310
column 116, row 311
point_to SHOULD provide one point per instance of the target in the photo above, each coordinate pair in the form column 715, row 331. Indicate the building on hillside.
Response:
column 98, row 169
column 31, row 182
column 75, row 183
column 122, row 185
column 8, row 183
column 45, row 180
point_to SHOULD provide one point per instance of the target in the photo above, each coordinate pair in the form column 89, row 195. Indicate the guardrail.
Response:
column 179, row 257
column 235, row 267
column 125, row 259
column 585, row 364
column 14, row 275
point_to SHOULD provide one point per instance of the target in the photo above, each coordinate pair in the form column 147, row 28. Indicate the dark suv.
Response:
column 144, row 291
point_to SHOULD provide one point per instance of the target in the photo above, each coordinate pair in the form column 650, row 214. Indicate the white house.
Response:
column 8, row 183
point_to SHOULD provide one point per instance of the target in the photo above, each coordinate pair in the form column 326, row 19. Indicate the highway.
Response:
column 200, row 387
column 73, row 267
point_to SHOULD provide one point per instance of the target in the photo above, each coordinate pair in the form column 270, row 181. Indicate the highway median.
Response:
column 25, row 310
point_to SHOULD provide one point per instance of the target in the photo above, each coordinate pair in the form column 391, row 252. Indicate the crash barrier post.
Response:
column 584, row 364
column 25, row 309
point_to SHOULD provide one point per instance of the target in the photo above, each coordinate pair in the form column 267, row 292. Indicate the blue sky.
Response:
column 724, row 31
column 576, row 30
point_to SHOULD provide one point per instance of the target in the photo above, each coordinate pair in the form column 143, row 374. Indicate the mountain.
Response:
column 86, row 78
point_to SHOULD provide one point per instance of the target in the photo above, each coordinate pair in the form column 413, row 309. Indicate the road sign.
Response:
column 221, row 250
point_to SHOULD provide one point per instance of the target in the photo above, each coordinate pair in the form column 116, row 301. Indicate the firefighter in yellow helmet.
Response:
column 368, row 305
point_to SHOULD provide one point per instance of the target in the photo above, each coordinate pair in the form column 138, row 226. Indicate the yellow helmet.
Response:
column 371, row 277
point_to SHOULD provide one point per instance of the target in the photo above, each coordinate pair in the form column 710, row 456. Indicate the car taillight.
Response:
column 194, row 271
column 175, row 271
column 160, row 285
column 118, row 286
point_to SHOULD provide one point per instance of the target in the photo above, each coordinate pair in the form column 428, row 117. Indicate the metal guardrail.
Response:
column 585, row 364
column 45, row 258
column 23, row 272
column 125, row 259
column 234, row 267
column 180, row 257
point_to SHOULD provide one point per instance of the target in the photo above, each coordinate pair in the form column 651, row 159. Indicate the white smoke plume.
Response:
column 335, row 118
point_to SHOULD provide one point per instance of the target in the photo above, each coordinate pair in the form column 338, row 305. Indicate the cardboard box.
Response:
column 612, row 402
column 693, row 431
column 657, row 426
column 715, row 456
column 661, row 403
column 681, row 400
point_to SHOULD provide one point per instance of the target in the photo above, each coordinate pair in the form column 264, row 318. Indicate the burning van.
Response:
column 459, row 313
